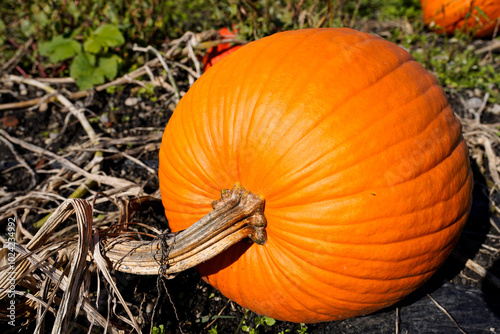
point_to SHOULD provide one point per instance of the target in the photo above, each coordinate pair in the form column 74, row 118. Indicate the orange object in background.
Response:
column 216, row 53
column 452, row 15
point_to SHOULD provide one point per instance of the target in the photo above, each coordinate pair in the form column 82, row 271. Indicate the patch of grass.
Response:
column 455, row 63
column 70, row 35
column 398, row 9
column 60, row 27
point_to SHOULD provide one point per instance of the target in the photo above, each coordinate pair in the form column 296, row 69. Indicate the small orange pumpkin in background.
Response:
column 451, row 15
column 358, row 155
column 216, row 53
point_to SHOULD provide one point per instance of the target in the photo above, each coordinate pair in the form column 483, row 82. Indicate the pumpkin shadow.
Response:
column 191, row 296
column 490, row 291
column 474, row 233
column 224, row 260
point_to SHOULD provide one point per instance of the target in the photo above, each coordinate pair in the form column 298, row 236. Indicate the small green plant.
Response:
column 213, row 330
column 303, row 329
column 454, row 62
column 158, row 330
column 259, row 321
column 147, row 91
column 91, row 62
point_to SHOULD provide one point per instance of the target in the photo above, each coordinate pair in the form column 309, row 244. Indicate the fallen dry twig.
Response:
column 109, row 180
column 165, row 67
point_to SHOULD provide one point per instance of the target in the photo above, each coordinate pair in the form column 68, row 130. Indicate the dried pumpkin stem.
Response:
column 237, row 215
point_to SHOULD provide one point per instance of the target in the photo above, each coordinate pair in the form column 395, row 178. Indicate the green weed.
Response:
column 158, row 330
column 91, row 62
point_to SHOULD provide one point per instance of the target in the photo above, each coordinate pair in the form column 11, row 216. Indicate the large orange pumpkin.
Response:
column 451, row 15
column 357, row 153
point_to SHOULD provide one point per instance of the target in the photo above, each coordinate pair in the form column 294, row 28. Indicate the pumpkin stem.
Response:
column 237, row 215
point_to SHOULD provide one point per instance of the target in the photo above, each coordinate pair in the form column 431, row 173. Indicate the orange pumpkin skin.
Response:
column 451, row 15
column 215, row 54
column 360, row 158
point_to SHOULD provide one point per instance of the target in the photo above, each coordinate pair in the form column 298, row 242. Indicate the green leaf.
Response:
column 2, row 32
column 82, row 65
column 481, row 13
column 109, row 66
column 111, row 35
column 72, row 9
column 105, row 36
column 233, row 9
column 28, row 29
column 92, row 44
column 87, row 82
column 42, row 19
column 85, row 72
column 269, row 321
column 59, row 48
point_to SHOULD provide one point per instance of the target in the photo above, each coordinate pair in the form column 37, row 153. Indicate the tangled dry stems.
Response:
column 77, row 247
